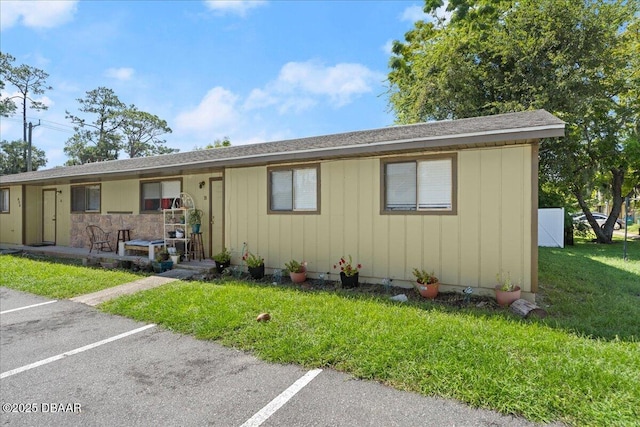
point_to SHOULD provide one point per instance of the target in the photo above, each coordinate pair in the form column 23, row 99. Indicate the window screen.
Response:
column 419, row 185
column 294, row 190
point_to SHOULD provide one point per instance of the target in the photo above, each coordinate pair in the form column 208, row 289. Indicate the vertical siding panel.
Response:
column 350, row 215
column 513, row 194
column 490, row 215
column 381, row 243
column 367, row 209
column 322, row 261
column 264, row 221
column 308, row 249
column 336, row 211
column 529, row 209
column 255, row 244
column 431, row 244
column 450, row 251
column 415, row 240
column 396, row 258
column 469, row 194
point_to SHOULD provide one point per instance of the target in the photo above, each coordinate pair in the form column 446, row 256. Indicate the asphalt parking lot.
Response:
column 67, row 364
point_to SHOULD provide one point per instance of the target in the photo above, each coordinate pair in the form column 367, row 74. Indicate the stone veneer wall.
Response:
column 144, row 227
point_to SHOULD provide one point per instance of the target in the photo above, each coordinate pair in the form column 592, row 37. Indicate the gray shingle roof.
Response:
column 477, row 131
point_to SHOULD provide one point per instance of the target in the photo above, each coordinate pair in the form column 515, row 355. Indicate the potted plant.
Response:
column 297, row 271
column 507, row 291
column 255, row 265
column 222, row 259
column 175, row 257
column 163, row 261
column 426, row 283
column 195, row 220
column 348, row 273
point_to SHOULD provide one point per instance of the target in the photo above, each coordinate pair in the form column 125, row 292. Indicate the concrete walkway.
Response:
column 99, row 297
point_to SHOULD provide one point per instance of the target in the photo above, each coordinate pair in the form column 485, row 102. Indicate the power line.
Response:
column 60, row 127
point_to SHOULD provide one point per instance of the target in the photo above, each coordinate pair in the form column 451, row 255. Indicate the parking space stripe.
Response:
column 72, row 352
column 27, row 306
column 262, row 415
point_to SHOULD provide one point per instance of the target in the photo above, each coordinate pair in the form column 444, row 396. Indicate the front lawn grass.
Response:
column 57, row 280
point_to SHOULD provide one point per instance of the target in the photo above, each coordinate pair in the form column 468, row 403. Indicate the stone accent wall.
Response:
column 144, row 227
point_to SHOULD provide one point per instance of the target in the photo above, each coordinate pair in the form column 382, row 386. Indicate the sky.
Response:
column 252, row 71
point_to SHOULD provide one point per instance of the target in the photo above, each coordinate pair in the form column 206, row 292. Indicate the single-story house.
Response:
column 458, row 198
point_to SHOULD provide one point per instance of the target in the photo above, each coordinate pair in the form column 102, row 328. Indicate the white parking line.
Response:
column 28, row 306
column 263, row 414
column 72, row 352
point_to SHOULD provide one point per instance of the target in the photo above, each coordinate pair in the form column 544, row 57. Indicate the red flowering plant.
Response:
column 347, row 267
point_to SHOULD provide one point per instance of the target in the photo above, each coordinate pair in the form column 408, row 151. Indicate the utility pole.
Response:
column 29, row 145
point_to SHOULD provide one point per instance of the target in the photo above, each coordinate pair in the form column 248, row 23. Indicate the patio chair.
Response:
column 99, row 239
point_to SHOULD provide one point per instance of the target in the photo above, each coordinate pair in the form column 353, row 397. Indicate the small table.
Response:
column 197, row 248
column 124, row 235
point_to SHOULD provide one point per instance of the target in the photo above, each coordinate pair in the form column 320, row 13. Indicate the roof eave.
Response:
column 449, row 142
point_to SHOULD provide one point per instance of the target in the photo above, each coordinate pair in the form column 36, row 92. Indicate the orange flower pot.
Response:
column 505, row 298
column 298, row 277
column 429, row 291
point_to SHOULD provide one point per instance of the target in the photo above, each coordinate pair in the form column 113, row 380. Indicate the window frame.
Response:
column 156, row 181
column 86, row 188
column 417, row 159
column 292, row 168
column 5, row 209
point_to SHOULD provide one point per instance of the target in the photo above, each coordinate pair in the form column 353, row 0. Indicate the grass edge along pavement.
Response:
column 58, row 280
column 493, row 362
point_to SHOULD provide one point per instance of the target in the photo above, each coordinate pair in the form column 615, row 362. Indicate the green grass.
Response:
column 591, row 290
column 56, row 279
column 580, row 366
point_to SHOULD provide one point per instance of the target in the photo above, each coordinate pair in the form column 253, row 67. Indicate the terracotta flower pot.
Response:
column 298, row 277
column 429, row 291
column 505, row 298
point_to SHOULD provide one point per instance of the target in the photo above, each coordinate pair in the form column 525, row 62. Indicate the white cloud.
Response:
column 301, row 85
column 122, row 73
column 413, row 14
column 237, row 7
column 416, row 13
column 216, row 114
column 36, row 14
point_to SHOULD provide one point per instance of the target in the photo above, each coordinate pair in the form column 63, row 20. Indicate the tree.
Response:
column 12, row 157
column 225, row 142
column 100, row 140
column 142, row 134
column 28, row 81
column 7, row 106
column 574, row 59
column 116, row 128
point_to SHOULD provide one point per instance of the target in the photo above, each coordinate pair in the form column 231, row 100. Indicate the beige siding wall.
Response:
column 11, row 222
column 490, row 233
column 33, row 215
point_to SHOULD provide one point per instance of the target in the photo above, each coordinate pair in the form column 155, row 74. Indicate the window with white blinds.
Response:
column 419, row 185
column 293, row 190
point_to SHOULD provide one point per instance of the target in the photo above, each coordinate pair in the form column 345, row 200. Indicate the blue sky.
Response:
column 254, row 71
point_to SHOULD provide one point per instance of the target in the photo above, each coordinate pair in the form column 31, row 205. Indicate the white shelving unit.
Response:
column 175, row 221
